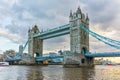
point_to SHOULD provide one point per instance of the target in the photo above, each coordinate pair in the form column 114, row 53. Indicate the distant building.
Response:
column 20, row 49
column 10, row 53
column 60, row 52
column 1, row 57
column 52, row 54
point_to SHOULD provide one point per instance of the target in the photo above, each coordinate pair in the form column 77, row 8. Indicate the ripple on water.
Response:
column 57, row 72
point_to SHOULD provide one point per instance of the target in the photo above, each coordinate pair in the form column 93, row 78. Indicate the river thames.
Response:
column 57, row 72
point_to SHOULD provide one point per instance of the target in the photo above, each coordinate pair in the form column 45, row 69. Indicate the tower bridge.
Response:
column 59, row 31
column 79, row 31
column 79, row 39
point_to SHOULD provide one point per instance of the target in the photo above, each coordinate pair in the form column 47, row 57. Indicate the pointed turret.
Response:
column 35, row 29
column 71, row 13
column 71, row 16
column 79, row 13
column 79, row 10
column 87, row 19
column 29, row 29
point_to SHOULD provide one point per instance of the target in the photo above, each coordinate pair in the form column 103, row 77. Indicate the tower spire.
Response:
column 87, row 18
column 29, row 29
column 71, row 13
column 79, row 10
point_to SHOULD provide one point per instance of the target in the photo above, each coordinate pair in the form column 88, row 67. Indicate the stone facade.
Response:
column 35, row 45
column 79, row 40
column 10, row 53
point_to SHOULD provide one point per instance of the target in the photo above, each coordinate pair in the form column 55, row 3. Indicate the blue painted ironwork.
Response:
column 105, row 54
column 8, row 58
column 17, row 56
column 56, row 34
column 59, row 31
column 39, row 58
column 65, row 29
column 108, row 41
column 53, row 57
column 25, row 45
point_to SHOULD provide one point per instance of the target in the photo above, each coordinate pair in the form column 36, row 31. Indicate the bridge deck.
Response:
column 62, row 30
column 48, row 57
column 106, row 54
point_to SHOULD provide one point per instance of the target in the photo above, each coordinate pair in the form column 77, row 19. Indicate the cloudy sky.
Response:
column 17, row 16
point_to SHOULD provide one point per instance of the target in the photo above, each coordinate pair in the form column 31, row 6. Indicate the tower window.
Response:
column 82, row 61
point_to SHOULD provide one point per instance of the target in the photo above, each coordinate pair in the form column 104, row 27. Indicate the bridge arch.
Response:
column 84, row 50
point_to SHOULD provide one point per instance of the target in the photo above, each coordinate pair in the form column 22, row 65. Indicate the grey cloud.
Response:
column 21, row 31
column 27, row 13
column 49, row 14
column 102, row 12
column 13, row 37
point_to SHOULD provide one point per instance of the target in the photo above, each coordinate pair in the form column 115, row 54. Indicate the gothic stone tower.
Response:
column 79, row 40
column 35, row 45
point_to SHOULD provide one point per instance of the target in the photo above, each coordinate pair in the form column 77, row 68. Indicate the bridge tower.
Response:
column 35, row 44
column 79, row 40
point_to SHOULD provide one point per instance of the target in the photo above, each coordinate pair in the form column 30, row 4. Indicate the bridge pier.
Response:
column 77, row 60
column 79, row 41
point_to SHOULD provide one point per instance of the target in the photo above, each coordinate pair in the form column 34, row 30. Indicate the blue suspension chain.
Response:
column 107, row 41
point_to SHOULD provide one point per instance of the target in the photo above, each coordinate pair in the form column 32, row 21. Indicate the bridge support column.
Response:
column 79, row 41
column 77, row 60
column 35, row 45
column 38, row 46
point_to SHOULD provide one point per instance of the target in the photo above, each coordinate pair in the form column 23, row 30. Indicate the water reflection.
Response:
column 13, row 72
column 79, row 73
column 57, row 72
column 35, row 73
column 53, row 72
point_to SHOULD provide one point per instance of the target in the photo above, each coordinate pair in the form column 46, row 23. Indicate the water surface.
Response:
column 57, row 72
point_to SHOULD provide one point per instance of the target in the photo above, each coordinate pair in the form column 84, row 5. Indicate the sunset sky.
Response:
column 17, row 16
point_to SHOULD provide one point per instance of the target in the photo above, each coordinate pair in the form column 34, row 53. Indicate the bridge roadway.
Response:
column 47, row 57
column 38, row 58
column 59, row 31
column 105, row 54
